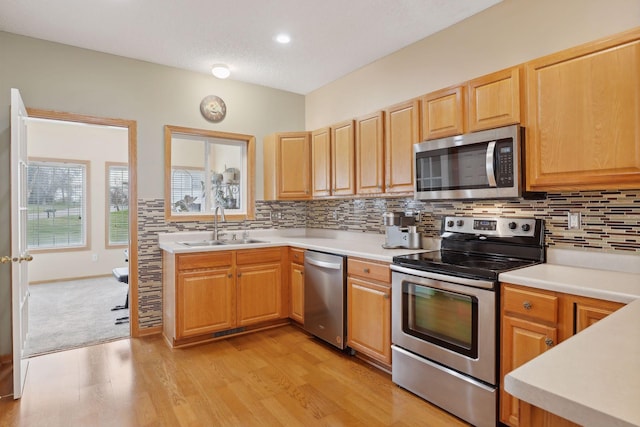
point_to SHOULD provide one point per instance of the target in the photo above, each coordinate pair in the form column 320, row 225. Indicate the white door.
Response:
column 19, row 252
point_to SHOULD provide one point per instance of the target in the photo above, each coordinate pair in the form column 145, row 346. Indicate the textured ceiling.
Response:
column 330, row 38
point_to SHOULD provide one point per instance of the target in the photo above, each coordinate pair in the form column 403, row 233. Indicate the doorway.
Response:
column 82, row 231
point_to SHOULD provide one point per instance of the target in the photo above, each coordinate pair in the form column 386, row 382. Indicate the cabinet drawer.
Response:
column 257, row 256
column 204, row 260
column 537, row 305
column 369, row 270
column 297, row 255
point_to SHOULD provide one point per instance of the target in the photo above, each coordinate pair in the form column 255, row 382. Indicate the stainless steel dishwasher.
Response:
column 325, row 297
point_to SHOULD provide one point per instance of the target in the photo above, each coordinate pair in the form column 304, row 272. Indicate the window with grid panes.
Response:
column 117, row 204
column 57, row 204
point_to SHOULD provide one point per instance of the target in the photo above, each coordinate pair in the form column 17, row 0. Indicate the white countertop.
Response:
column 592, row 378
column 364, row 245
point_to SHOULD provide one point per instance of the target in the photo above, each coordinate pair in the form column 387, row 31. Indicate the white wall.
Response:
column 507, row 34
column 98, row 145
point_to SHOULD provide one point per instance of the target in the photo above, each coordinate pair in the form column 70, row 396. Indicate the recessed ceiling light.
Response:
column 221, row 71
column 283, row 38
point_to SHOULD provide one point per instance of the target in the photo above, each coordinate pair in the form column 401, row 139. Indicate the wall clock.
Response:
column 213, row 108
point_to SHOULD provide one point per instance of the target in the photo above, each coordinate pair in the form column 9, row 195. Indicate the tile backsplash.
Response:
column 610, row 223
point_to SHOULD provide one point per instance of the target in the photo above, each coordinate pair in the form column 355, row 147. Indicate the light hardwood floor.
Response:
column 279, row 377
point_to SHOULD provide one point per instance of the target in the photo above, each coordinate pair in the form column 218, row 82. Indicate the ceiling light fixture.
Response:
column 283, row 38
column 221, row 71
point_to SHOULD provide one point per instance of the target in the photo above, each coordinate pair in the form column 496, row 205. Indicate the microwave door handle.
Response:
column 491, row 175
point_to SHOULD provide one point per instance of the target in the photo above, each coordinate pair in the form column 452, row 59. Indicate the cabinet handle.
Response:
column 385, row 296
column 230, row 275
column 366, row 270
column 239, row 274
column 527, row 305
column 549, row 342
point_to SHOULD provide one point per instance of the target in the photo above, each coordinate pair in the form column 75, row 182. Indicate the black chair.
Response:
column 122, row 275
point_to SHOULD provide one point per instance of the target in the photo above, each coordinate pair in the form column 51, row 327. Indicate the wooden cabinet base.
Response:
column 532, row 416
column 200, row 339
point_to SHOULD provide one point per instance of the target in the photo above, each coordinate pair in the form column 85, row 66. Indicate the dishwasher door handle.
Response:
column 324, row 264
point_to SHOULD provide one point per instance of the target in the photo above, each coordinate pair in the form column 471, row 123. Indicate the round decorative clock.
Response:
column 213, row 108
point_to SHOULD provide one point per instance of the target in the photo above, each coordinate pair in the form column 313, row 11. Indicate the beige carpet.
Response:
column 64, row 315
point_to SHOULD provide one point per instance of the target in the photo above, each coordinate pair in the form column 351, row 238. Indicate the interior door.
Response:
column 19, row 251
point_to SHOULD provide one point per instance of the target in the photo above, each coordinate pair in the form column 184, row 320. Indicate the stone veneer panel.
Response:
column 610, row 223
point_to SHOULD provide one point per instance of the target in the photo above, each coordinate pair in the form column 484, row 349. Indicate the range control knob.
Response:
column 449, row 223
column 459, row 223
column 526, row 227
column 512, row 225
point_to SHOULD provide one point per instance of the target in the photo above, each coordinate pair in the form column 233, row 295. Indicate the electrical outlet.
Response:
column 94, row 257
column 574, row 221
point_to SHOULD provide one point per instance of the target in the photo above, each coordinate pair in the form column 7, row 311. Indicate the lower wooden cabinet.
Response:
column 296, row 283
column 533, row 321
column 209, row 292
column 369, row 309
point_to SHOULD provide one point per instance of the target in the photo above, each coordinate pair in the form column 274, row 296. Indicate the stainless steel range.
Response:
column 445, row 312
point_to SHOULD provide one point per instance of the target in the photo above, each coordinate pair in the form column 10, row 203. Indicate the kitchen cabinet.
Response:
column 296, row 278
column 584, row 117
column 533, row 321
column 287, row 166
column 495, row 100
column 259, row 286
column 321, row 162
column 402, row 130
column 211, row 294
column 369, row 309
column 370, row 154
column 443, row 113
column 343, row 159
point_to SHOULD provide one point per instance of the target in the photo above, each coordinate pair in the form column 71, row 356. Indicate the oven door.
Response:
column 453, row 324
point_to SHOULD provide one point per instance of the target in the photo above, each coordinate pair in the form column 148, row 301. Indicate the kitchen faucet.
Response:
column 215, row 221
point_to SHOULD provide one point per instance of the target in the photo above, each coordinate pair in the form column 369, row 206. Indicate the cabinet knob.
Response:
column 239, row 274
column 549, row 342
column 527, row 305
column 385, row 296
column 230, row 275
column 366, row 270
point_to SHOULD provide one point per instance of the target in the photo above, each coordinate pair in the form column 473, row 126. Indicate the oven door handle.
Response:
column 491, row 175
column 476, row 283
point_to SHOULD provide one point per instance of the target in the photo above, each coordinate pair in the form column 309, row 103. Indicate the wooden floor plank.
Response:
column 279, row 377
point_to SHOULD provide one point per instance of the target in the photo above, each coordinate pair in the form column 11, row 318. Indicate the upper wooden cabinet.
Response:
column 370, row 154
column 443, row 113
column 584, row 117
column 402, row 130
column 321, row 162
column 494, row 100
column 287, row 166
column 343, row 159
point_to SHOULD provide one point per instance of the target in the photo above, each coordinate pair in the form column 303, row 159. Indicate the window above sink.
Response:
column 205, row 169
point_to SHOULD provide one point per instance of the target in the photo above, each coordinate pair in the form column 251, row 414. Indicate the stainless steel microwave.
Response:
column 479, row 165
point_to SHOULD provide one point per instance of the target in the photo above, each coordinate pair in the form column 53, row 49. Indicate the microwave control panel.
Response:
column 504, row 160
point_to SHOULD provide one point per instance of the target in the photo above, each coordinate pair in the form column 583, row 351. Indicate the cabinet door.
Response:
column 402, row 130
column 443, row 113
column 584, row 117
column 205, row 302
column 297, row 292
column 494, row 100
column 343, row 159
column 321, row 162
column 287, row 166
column 259, row 293
column 370, row 154
column 521, row 341
column 589, row 311
column 369, row 318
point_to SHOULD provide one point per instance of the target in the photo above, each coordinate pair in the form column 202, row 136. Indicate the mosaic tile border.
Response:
column 610, row 223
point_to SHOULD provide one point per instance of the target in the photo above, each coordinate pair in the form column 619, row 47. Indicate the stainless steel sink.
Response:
column 244, row 241
column 203, row 243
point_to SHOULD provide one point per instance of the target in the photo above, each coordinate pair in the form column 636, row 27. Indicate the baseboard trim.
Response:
column 68, row 279
column 145, row 332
